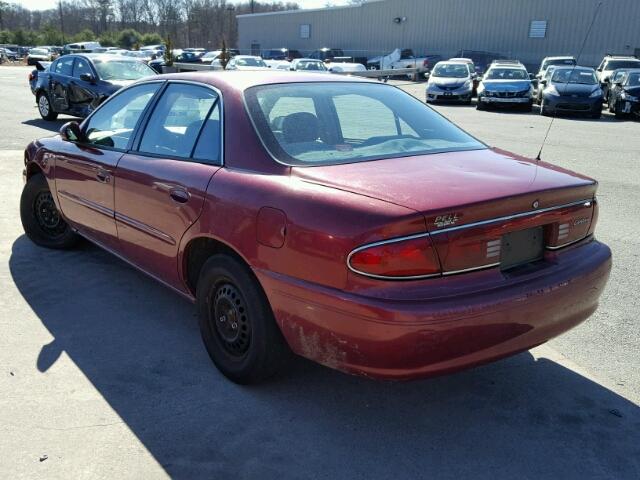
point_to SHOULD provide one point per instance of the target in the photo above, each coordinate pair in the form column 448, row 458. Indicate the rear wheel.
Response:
column 544, row 110
column 40, row 217
column 236, row 322
column 44, row 107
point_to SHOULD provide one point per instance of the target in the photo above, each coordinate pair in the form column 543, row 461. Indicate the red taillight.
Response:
column 425, row 63
column 31, row 76
column 396, row 259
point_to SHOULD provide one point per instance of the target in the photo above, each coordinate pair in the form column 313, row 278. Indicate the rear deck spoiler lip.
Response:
column 42, row 66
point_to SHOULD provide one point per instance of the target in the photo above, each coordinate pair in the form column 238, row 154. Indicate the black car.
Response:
column 281, row 54
column 624, row 94
column 572, row 90
column 76, row 84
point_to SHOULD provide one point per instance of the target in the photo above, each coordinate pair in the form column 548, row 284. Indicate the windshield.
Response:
column 451, row 70
column 38, row 51
column 250, row 62
column 570, row 75
column 507, row 74
column 633, row 80
column 334, row 122
column 317, row 66
column 210, row 55
column 122, row 70
column 558, row 61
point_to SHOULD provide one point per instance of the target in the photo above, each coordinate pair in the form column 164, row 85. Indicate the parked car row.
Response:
column 562, row 85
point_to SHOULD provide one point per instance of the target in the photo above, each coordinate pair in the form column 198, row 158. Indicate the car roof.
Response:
column 575, row 67
column 560, row 57
column 105, row 57
column 240, row 80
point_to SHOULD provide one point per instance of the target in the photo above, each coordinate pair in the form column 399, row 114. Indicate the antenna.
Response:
column 584, row 42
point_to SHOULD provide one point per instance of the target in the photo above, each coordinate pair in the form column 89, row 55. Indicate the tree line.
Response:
column 128, row 23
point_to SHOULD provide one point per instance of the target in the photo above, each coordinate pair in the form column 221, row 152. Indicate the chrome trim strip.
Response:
column 96, row 207
column 464, row 270
column 558, row 247
column 586, row 203
column 144, row 228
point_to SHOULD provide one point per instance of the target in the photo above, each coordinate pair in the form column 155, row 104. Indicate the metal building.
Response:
column 525, row 29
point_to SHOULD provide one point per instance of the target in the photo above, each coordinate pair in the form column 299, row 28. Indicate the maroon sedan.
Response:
column 340, row 219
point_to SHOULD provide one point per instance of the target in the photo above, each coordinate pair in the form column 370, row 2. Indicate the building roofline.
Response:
column 307, row 10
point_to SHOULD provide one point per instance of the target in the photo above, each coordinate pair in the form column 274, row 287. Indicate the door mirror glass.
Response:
column 87, row 77
column 70, row 132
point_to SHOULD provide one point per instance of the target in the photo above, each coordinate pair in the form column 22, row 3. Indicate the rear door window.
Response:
column 64, row 66
column 81, row 66
column 177, row 119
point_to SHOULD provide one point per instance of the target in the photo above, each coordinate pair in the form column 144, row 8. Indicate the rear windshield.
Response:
column 337, row 122
column 558, row 61
column 250, row 62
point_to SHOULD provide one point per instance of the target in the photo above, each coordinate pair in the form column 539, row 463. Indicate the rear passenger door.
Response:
column 160, row 185
column 60, row 78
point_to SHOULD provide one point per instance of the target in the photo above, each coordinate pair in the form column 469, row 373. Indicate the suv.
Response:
column 613, row 62
column 506, row 82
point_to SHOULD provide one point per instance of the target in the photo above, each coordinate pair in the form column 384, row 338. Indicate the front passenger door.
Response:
column 85, row 169
column 60, row 83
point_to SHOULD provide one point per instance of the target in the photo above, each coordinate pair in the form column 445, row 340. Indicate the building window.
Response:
column 538, row 29
column 305, row 30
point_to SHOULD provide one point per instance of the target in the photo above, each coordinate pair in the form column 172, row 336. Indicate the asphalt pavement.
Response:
column 103, row 374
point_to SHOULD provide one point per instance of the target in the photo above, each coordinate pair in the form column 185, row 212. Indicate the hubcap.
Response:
column 47, row 215
column 231, row 320
column 43, row 104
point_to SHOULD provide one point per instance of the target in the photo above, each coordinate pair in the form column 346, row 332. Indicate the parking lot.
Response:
column 104, row 374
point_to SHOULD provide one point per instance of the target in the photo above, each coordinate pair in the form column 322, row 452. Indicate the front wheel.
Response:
column 44, row 107
column 40, row 217
column 236, row 322
column 544, row 110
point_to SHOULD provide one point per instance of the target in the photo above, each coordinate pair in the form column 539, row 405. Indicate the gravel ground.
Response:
column 104, row 376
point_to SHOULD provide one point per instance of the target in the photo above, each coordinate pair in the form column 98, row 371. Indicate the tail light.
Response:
column 425, row 63
column 31, row 76
column 406, row 258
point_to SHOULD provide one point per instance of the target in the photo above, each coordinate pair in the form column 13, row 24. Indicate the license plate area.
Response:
column 521, row 247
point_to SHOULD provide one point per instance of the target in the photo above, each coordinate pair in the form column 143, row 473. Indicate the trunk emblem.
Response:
column 445, row 220
column 535, row 204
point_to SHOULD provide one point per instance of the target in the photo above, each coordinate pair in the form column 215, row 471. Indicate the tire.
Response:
column 528, row 107
column 236, row 322
column 40, row 217
column 480, row 105
column 44, row 107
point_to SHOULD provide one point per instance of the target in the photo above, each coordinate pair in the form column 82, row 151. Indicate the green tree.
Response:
column 51, row 36
column 85, row 35
column 128, row 37
column 151, row 39
column 108, row 39
column 6, row 36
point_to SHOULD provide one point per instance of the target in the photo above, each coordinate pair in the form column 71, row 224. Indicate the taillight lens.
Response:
column 31, row 76
column 425, row 63
column 396, row 259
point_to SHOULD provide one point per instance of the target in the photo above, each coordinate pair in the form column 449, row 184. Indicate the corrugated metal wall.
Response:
column 446, row 26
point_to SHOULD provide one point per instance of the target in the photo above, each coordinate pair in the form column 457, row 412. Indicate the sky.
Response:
column 45, row 4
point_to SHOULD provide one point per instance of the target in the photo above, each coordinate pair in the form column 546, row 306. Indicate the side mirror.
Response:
column 87, row 77
column 532, row 76
column 70, row 132
column 543, row 82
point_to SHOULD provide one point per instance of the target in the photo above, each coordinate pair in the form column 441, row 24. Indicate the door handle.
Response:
column 179, row 195
column 103, row 176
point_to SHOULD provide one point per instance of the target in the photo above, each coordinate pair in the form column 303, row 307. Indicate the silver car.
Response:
column 450, row 81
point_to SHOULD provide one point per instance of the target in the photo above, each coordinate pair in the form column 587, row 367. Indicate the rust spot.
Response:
column 312, row 347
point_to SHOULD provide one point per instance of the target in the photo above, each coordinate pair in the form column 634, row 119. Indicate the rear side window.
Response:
column 177, row 119
column 64, row 66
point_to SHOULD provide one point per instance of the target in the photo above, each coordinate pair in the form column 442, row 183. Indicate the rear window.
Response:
column 331, row 123
column 615, row 64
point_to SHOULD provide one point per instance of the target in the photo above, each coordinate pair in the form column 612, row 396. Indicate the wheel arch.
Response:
column 198, row 250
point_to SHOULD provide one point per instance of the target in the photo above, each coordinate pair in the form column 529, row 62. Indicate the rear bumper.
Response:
column 441, row 325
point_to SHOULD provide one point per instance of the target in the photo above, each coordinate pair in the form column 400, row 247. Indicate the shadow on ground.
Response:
column 50, row 125
column 139, row 345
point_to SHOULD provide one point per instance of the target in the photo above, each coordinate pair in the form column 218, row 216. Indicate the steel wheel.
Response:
column 230, row 319
column 47, row 216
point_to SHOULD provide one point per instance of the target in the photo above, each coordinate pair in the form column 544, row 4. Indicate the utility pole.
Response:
column 252, row 4
column 61, row 19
